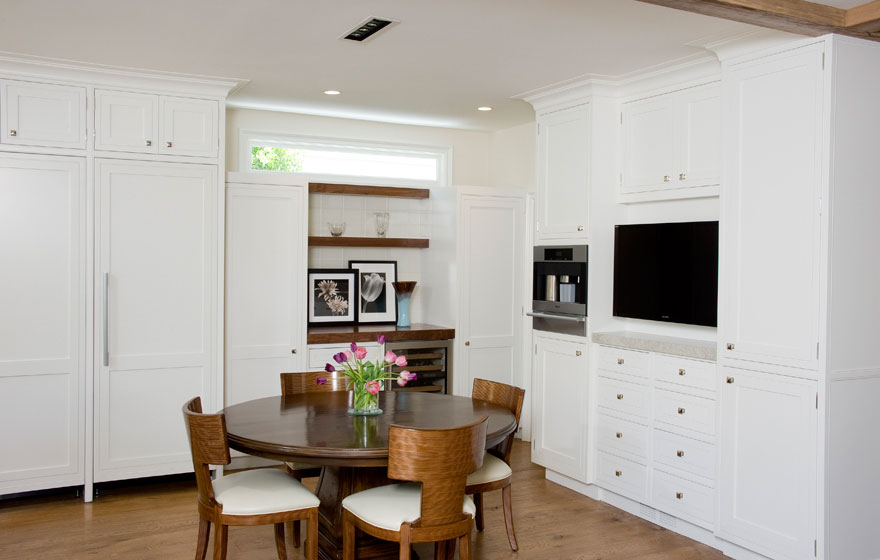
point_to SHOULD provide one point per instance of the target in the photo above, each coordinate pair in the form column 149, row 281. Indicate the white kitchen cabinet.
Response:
column 156, row 271
column 672, row 143
column 490, row 289
column 155, row 124
column 266, row 233
column 768, row 463
column 563, row 163
column 37, row 114
column 559, row 405
column 43, row 203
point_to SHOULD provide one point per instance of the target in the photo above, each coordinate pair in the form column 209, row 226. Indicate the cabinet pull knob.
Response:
column 577, row 352
column 618, row 473
column 679, row 453
column 149, row 142
column 293, row 351
column 679, row 495
column 618, row 435
column 730, row 346
column 13, row 133
column 730, row 380
column 681, row 411
column 580, row 228
column 681, row 372
column 682, row 176
column 666, row 178
column 467, row 343
column 620, row 361
column 168, row 144
column 620, row 396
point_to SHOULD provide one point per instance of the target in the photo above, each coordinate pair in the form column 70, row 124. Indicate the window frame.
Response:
column 248, row 139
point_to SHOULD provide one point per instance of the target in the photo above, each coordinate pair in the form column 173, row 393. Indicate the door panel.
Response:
column 127, row 122
column 563, row 174
column 43, row 114
column 698, row 116
column 648, row 145
column 189, row 127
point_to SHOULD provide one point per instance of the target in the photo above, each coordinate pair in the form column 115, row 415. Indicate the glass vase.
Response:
column 363, row 403
column 403, row 291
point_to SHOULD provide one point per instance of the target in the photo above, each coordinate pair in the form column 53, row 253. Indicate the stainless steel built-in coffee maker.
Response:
column 560, row 281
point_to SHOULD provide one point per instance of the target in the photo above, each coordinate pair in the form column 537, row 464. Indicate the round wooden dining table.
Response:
column 316, row 428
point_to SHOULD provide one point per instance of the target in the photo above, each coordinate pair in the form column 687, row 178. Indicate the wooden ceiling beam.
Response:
column 794, row 16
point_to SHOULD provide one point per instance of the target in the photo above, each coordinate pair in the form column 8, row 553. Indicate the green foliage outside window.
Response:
column 276, row 159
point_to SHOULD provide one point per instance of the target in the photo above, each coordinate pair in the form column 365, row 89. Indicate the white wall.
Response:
column 512, row 157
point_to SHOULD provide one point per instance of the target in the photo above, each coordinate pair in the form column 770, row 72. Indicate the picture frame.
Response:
column 376, row 299
column 330, row 296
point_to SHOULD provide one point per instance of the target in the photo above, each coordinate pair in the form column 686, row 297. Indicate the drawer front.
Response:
column 685, row 499
column 685, row 372
column 319, row 356
column 619, row 360
column 684, row 411
column 625, row 477
column 684, row 453
column 623, row 397
column 623, row 438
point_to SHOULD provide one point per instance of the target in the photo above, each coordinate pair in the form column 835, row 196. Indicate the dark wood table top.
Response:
column 316, row 428
column 369, row 333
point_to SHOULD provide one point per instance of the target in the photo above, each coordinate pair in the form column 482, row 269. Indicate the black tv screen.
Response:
column 667, row 272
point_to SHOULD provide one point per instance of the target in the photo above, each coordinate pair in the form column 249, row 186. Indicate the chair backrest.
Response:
column 307, row 382
column 208, row 443
column 504, row 395
column 441, row 459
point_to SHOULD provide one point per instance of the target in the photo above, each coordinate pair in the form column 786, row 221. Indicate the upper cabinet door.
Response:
column 33, row 114
column 189, row 127
column 563, row 174
column 698, row 137
column 769, row 299
column 126, row 122
column 648, row 145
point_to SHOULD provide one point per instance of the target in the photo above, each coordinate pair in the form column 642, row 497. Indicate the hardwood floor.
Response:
column 158, row 520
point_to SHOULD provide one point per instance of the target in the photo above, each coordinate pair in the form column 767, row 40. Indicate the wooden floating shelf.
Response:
column 405, row 242
column 368, row 190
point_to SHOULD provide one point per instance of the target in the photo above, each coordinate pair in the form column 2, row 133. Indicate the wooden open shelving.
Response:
column 401, row 242
column 368, row 190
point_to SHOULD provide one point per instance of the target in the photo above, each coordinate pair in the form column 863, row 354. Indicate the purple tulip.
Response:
column 321, row 381
column 381, row 339
column 354, row 346
column 339, row 358
column 329, row 368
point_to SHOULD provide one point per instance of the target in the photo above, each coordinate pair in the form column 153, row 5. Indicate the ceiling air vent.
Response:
column 368, row 28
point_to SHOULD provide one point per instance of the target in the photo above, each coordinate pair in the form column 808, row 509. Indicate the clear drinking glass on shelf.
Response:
column 336, row 228
column 381, row 223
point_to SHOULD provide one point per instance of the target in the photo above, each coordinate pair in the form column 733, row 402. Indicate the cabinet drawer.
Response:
column 623, row 438
column 684, row 411
column 684, row 453
column 625, row 477
column 623, row 397
column 321, row 355
column 619, row 360
column 682, row 498
column 685, row 372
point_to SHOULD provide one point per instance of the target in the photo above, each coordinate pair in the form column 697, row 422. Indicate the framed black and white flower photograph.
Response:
column 376, row 301
column 332, row 296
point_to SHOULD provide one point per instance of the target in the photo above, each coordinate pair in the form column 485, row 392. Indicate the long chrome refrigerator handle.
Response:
column 106, row 318
column 577, row 319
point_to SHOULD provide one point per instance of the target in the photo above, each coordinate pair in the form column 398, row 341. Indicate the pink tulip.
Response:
column 348, row 355
column 401, row 361
column 372, row 387
column 360, row 353
column 401, row 381
column 390, row 357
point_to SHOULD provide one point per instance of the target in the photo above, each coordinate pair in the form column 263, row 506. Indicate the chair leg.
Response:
column 464, row 546
column 279, row 541
column 295, row 529
column 478, row 502
column 348, row 537
column 440, row 550
column 221, row 536
column 312, row 537
column 508, row 517
column 405, row 541
column 202, row 544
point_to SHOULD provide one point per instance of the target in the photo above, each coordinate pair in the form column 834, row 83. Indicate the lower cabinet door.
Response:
column 767, row 483
column 560, row 406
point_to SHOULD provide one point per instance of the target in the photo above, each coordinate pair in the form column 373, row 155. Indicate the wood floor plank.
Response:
column 148, row 520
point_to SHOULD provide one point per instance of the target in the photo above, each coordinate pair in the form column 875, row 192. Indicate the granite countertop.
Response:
column 368, row 333
column 674, row 346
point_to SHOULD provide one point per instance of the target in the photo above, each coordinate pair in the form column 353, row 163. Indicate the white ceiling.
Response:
column 443, row 60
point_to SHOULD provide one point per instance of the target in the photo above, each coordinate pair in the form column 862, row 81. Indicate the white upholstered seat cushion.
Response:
column 493, row 469
column 389, row 506
column 261, row 491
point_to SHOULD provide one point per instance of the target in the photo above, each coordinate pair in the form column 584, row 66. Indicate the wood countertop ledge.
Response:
column 369, row 333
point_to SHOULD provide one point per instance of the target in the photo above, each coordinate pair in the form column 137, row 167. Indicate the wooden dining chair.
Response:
column 296, row 383
column 253, row 497
column 437, row 510
column 496, row 473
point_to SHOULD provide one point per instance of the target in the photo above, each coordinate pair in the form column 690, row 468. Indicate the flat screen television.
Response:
column 667, row 272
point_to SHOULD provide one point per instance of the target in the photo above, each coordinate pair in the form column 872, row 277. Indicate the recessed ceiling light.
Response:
column 484, row 108
column 332, row 92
